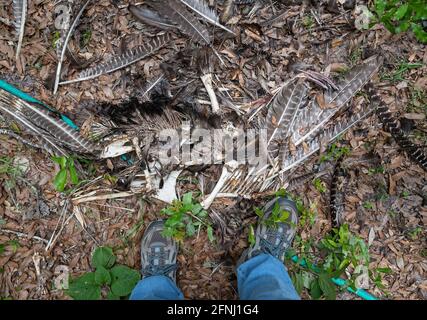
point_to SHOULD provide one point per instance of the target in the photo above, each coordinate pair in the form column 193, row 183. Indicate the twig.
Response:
column 21, row 234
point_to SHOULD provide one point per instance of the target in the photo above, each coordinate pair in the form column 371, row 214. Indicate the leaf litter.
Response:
column 386, row 196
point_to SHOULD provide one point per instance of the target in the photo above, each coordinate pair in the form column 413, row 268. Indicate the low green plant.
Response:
column 319, row 185
column 400, row 70
column 55, row 38
column 334, row 153
column 327, row 258
column 108, row 280
column 368, row 205
column 277, row 216
column 401, row 15
column 86, row 36
column 13, row 244
column 372, row 171
column 66, row 174
column 185, row 218
column 415, row 232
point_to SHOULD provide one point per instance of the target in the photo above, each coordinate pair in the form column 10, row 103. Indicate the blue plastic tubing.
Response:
column 339, row 282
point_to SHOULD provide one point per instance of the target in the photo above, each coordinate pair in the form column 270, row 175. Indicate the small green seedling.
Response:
column 66, row 174
column 117, row 281
column 319, row 185
column 186, row 218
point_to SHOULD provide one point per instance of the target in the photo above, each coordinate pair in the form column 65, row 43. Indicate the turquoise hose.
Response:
column 338, row 281
column 24, row 96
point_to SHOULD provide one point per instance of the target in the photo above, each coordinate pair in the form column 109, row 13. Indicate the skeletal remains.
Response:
column 297, row 125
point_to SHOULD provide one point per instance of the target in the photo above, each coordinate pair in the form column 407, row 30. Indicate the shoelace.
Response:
column 160, row 269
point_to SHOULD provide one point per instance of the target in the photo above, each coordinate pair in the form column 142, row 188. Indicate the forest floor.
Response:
column 386, row 194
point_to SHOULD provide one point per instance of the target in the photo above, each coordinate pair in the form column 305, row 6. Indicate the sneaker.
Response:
column 274, row 240
column 158, row 254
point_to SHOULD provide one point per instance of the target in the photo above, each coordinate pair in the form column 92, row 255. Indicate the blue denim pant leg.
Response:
column 156, row 288
column 264, row 277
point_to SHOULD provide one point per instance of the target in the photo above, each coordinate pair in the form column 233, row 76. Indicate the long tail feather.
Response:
column 312, row 119
column 188, row 23
column 57, row 128
column 20, row 13
column 201, row 8
column 65, row 44
column 123, row 60
column 49, row 144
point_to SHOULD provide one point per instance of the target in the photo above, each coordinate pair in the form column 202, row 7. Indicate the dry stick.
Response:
column 104, row 197
column 21, row 234
column 61, row 217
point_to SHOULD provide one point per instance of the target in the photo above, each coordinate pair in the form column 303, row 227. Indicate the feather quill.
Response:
column 20, row 15
column 188, row 23
column 123, row 60
column 65, row 44
column 284, row 108
column 151, row 17
column 314, row 117
column 201, row 8
column 41, row 119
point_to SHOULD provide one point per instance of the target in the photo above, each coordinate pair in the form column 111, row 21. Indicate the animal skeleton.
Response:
column 291, row 117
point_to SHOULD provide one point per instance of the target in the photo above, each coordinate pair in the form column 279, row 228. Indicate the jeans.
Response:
column 262, row 277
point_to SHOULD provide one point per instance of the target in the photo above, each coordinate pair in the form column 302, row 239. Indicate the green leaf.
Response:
column 84, row 288
column 315, row 291
column 384, row 270
column 103, row 257
column 299, row 283
column 187, row 199
column 420, row 34
column 380, row 7
column 251, row 235
column 327, row 286
column 14, row 244
column 2, row 248
column 190, row 230
column 60, row 180
column 102, row 276
column 400, row 13
column 124, row 279
column 62, row 161
column 211, row 237
column 73, row 173
column 112, row 296
column 259, row 212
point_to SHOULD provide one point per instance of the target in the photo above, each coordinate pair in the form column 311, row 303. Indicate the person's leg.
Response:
column 158, row 262
column 264, row 277
column 156, row 288
column 261, row 274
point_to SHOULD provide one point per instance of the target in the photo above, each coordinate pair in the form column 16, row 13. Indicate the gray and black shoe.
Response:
column 276, row 239
column 158, row 254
